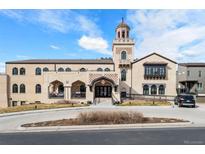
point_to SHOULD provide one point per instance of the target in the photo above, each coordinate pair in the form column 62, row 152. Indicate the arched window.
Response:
column 82, row 70
column 145, row 90
column 107, row 70
column 153, row 90
column 127, row 34
column 60, row 69
column 22, row 71
column 123, row 75
column 38, row 88
column 161, row 90
column 38, row 71
column 99, row 69
column 123, row 34
column 68, row 69
column 15, row 88
column 118, row 34
column 123, row 55
column 22, row 88
column 15, row 71
column 45, row 69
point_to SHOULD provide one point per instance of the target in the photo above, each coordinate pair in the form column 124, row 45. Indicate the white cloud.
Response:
column 173, row 33
column 54, row 47
column 97, row 44
column 22, row 57
column 2, row 67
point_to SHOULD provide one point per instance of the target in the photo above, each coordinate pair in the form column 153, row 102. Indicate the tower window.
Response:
column 123, row 55
column 123, row 75
column 118, row 34
column 123, row 34
column 127, row 34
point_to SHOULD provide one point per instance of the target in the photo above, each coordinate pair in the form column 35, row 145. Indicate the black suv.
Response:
column 185, row 100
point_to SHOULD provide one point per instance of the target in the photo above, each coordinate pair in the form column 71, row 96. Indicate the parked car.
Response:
column 185, row 100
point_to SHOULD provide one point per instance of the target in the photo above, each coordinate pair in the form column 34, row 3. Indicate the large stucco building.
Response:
column 96, row 80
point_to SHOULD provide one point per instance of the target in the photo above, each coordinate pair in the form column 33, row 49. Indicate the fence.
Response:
column 148, row 97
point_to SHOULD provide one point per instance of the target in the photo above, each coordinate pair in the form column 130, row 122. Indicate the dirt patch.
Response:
column 103, row 118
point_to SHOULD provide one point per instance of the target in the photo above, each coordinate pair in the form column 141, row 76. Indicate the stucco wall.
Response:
column 3, row 91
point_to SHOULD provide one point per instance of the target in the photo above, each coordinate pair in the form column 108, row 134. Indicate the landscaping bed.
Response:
column 105, row 117
column 38, row 107
column 144, row 103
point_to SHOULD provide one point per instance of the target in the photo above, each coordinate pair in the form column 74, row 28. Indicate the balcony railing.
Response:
column 78, row 95
column 154, row 76
column 56, row 95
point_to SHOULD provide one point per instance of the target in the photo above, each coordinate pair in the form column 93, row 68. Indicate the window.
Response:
column 22, row 71
column 127, row 34
column 38, row 88
column 123, row 34
column 22, row 88
column 107, row 70
column 153, row 90
column 188, row 73
column 82, row 88
column 99, row 69
column 60, row 69
column 199, row 86
column 161, row 90
column 145, row 90
column 68, row 69
column 45, row 69
column 14, row 103
column 123, row 94
column 15, row 88
column 155, row 71
column 123, row 75
column 199, row 73
column 23, row 102
column 123, row 55
column 15, row 71
column 118, row 34
column 82, row 70
column 38, row 71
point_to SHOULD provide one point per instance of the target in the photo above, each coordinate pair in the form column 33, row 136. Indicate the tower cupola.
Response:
column 122, row 30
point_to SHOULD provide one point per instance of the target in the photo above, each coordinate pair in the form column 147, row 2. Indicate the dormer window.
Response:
column 123, row 55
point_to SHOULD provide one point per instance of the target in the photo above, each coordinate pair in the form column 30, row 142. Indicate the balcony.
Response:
column 154, row 76
column 124, row 63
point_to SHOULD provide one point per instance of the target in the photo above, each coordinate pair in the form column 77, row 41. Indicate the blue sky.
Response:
column 86, row 34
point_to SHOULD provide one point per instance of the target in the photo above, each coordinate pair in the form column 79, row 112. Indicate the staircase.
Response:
column 103, row 101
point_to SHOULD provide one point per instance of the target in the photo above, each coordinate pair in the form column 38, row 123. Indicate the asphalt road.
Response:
column 140, row 136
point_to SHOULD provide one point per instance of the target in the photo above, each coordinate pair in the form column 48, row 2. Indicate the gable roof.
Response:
column 154, row 53
column 62, row 61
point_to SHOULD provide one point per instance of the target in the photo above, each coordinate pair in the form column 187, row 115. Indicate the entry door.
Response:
column 103, row 91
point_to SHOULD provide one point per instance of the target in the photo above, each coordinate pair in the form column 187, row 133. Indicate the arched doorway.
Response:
column 78, row 90
column 103, row 88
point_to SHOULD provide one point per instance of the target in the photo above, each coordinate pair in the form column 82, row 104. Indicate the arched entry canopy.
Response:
column 103, row 87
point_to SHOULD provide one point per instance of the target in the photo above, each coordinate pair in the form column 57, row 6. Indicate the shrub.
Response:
column 110, row 117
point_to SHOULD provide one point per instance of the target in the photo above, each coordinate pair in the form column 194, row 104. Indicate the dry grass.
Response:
column 105, row 117
column 110, row 117
column 37, row 107
column 145, row 103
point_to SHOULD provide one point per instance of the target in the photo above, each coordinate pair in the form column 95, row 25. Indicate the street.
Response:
column 139, row 136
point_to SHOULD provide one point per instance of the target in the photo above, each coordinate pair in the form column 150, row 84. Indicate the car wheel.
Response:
column 179, row 105
column 194, row 106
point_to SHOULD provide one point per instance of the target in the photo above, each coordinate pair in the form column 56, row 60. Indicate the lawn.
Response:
column 145, row 103
column 38, row 107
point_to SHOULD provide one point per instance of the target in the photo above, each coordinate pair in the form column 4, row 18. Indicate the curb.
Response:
column 40, row 111
column 101, row 127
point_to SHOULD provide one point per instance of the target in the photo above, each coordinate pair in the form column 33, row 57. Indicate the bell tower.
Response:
column 123, row 46
column 123, row 56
